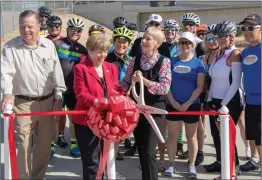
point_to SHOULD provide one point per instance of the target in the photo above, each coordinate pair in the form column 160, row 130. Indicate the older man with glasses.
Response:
column 251, row 67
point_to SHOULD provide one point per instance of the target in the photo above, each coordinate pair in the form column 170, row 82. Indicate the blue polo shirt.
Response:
column 184, row 78
column 251, row 66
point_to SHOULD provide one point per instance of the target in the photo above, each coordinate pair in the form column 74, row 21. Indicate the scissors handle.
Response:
column 140, row 99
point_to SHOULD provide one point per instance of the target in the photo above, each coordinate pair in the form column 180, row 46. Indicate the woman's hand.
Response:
column 176, row 105
column 136, row 75
column 185, row 106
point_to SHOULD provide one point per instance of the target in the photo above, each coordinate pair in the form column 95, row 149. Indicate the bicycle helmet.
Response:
column 119, row 22
column 171, row 23
column 202, row 27
column 44, row 10
column 210, row 28
column 54, row 20
column 225, row 28
column 95, row 29
column 191, row 17
column 76, row 22
column 131, row 26
column 123, row 32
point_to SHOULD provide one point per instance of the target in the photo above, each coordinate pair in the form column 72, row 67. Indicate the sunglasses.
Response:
column 224, row 36
column 184, row 43
column 77, row 30
column 44, row 16
column 152, row 23
column 54, row 26
column 209, row 38
column 189, row 24
column 249, row 28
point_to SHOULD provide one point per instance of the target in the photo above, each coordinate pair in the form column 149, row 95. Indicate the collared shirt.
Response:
column 158, row 88
column 31, row 72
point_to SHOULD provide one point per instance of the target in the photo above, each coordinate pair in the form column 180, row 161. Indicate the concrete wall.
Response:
column 104, row 13
column 207, row 16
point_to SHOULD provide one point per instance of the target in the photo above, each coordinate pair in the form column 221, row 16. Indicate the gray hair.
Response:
column 28, row 13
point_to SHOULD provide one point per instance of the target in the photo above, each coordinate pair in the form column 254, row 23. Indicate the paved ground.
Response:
column 63, row 166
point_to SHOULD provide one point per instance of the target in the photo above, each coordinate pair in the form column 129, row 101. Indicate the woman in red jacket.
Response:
column 92, row 80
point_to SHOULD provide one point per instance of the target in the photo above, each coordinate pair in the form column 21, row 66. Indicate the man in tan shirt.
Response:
column 32, row 81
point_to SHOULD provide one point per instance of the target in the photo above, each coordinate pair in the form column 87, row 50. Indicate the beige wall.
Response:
column 206, row 16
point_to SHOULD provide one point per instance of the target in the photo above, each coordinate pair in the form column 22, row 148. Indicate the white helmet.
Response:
column 210, row 28
column 171, row 23
column 191, row 17
column 145, row 25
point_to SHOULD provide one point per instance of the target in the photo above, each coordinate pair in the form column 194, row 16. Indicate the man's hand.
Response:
column 7, row 99
column 57, row 106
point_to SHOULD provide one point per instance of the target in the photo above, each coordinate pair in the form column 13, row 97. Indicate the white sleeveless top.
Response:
column 220, row 74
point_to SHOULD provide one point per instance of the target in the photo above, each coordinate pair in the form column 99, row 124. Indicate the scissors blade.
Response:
column 151, row 110
column 155, row 127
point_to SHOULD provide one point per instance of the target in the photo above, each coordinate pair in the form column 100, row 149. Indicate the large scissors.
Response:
column 145, row 109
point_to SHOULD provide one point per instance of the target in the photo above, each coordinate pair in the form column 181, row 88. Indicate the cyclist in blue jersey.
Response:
column 122, row 38
column 251, row 67
column 186, row 85
column 69, row 52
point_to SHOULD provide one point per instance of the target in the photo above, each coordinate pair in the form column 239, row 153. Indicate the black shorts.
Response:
column 69, row 100
column 253, row 123
column 190, row 119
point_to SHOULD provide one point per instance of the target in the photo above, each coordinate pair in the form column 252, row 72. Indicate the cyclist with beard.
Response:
column 69, row 52
column 54, row 26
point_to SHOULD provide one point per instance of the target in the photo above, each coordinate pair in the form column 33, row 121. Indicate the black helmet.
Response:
column 131, row 26
column 119, row 22
column 44, row 10
column 225, row 28
column 53, row 20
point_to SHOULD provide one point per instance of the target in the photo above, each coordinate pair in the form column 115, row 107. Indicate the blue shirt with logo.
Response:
column 251, row 66
column 184, row 78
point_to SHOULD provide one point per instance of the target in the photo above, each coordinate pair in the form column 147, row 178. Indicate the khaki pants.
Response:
column 41, row 127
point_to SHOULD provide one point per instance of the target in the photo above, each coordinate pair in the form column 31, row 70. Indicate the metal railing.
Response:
column 10, row 11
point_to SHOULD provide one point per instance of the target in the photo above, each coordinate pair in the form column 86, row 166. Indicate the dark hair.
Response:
column 27, row 13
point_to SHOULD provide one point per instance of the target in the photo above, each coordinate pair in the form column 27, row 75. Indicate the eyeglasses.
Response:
column 209, row 38
column 170, row 29
column 251, row 28
column 189, row 24
column 224, row 36
column 77, row 30
column 54, row 26
column 184, row 43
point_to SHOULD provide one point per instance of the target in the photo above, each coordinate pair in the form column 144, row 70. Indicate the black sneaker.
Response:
column 214, row 167
column 119, row 157
column 237, row 170
column 131, row 151
column 184, row 155
column 249, row 166
column 180, row 150
column 199, row 158
column 127, row 144
column 61, row 142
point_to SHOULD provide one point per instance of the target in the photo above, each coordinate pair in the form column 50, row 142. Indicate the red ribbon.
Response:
column 12, row 144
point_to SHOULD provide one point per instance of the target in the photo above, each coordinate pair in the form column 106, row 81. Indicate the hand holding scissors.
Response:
column 143, row 108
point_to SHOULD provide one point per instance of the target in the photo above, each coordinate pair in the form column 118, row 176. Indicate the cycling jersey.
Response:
column 169, row 50
column 43, row 32
column 120, row 63
column 200, row 48
column 69, row 54
column 251, row 67
column 54, row 39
